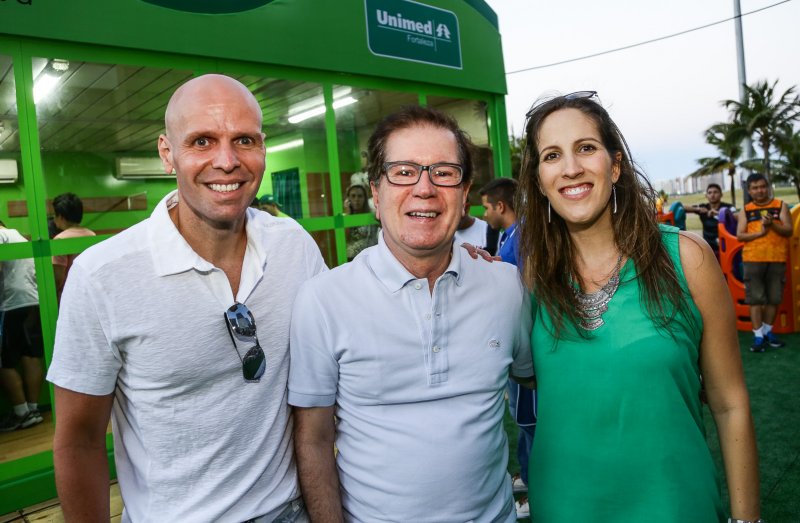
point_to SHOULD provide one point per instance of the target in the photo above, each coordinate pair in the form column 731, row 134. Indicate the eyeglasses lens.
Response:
column 409, row 173
column 241, row 321
column 241, row 324
column 254, row 364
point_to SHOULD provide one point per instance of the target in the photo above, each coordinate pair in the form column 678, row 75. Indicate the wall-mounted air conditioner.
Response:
column 138, row 168
column 8, row 171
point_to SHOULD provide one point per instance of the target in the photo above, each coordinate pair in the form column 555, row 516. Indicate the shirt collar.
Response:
column 391, row 273
column 172, row 254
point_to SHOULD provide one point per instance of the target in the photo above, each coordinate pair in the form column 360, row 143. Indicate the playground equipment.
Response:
column 730, row 258
column 673, row 214
column 678, row 215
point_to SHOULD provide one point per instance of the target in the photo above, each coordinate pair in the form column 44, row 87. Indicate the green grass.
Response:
column 773, row 381
column 787, row 194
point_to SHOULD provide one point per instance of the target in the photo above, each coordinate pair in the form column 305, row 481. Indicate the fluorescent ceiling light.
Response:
column 320, row 109
column 314, row 101
column 305, row 115
column 44, row 86
column 286, row 145
column 49, row 78
column 315, row 105
column 344, row 102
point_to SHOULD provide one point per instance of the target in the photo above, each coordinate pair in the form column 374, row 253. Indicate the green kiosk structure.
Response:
column 83, row 89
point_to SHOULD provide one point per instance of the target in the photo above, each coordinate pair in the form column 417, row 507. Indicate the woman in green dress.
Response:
column 633, row 319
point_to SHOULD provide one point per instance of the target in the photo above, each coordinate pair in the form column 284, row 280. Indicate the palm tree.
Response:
column 763, row 115
column 788, row 166
column 727, row 138
column 516, row 146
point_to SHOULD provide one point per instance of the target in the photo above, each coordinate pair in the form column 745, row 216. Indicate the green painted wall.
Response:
column 87, row 175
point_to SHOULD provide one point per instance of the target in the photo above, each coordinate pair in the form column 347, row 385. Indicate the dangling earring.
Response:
column 614, row 194
column 549, row 212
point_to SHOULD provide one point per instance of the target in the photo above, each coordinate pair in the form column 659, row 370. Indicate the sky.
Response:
column 662, row 95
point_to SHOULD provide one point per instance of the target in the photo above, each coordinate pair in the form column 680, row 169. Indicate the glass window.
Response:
column 326, row 241
column 360, row 237
column 297, row 174
column 471, row 116
column 98, row 130
column 356, row 116
column 13, row 207
column 357, row 112
column 20, row 321
column 23, row 367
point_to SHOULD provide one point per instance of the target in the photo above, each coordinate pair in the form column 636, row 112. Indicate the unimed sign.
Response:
column 412, row 31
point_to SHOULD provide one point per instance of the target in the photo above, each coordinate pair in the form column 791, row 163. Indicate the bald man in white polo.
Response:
column 178, row 329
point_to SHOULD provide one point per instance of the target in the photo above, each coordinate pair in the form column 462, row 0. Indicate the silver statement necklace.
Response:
column 591, row 306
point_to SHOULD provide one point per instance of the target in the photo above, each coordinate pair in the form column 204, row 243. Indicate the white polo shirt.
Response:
column 418, row 380
column 142, row 317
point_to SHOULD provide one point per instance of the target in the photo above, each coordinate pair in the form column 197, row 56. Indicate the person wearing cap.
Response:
column 269, row 204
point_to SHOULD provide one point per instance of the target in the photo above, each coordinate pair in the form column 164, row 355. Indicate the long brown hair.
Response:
column 547, row 253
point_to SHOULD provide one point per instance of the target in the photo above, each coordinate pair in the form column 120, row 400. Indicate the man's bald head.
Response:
column 214, row 144
column 206, row 89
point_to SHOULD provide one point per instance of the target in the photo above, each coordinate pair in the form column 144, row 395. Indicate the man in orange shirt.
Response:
column 765, row 227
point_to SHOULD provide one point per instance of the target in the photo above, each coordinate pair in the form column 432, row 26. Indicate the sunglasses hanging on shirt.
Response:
column 242, row 326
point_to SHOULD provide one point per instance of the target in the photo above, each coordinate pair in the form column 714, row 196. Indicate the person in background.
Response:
column 472, row 230
column 68, row 214
column 269, row 204
column 633, row 320
column 52, row 228
column 21, row 341
column 662, row 202
column 401, row 348
column 178, row 327
column 765, row 226
column 361, row 236
column 709, row 215
column 498, row 198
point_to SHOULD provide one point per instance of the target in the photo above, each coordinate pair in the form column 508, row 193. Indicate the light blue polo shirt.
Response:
column 418, row 379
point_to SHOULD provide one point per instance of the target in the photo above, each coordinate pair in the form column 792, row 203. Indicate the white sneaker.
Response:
column 517, row 485
column 523, row 509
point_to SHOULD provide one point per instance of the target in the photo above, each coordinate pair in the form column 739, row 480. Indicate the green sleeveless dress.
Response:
column 620, row 433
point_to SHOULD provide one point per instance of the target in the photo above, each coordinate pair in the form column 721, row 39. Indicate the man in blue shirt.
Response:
column 497, row 198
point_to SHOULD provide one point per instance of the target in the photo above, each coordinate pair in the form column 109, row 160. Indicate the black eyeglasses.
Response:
column 577, row 95
column 242, row 325
column 409, row 173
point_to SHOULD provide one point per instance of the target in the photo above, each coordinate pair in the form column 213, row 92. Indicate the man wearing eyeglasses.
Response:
column 410, row 346
column 178, row 329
